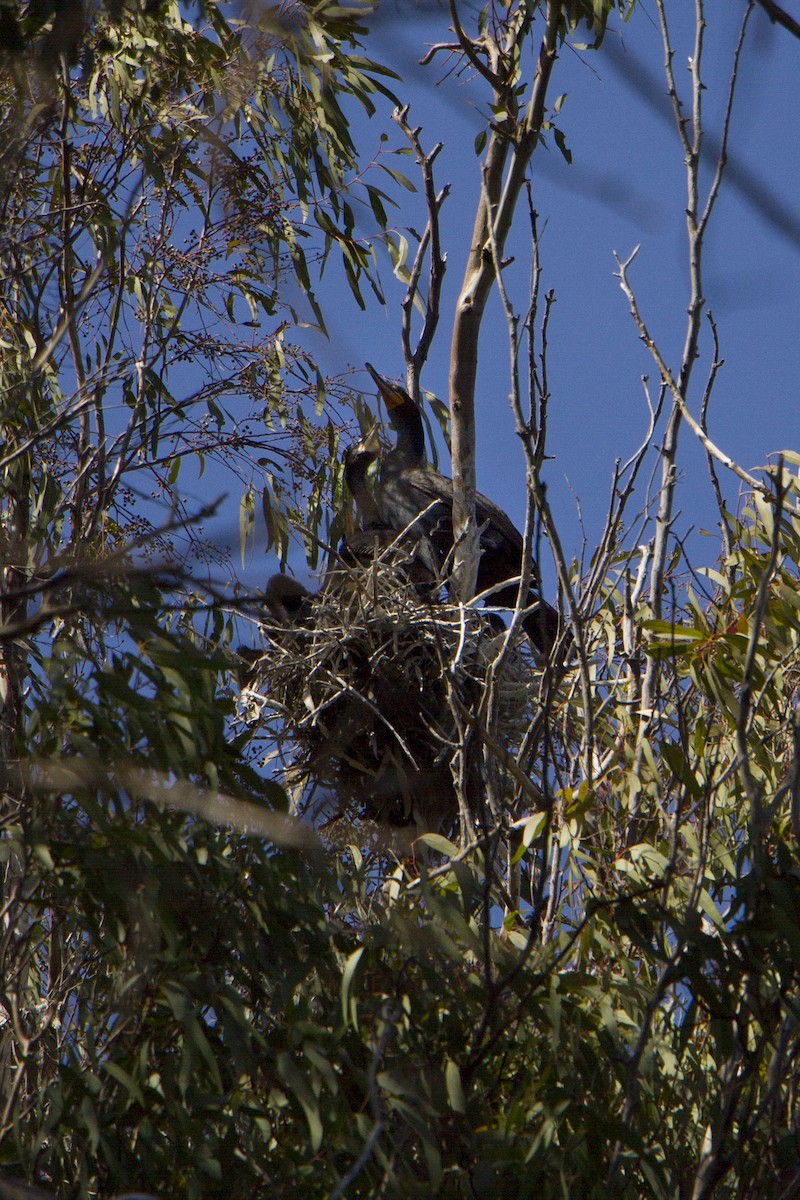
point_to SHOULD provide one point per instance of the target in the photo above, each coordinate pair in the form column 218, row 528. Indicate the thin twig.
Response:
column 716, row 364
column 753, row 790
column 674, row 385
column 430, row 240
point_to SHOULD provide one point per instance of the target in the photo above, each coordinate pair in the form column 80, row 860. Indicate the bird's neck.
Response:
column 410, row 435
column 362, row 493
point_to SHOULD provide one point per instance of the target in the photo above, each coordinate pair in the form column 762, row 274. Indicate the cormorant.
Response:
column 357, row 462
column 377, row 534
column 287, row 600
column 289, row 604
column 411, row 490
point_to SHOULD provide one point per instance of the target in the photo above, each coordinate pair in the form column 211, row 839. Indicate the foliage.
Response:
column 262, row 1016
column 157, row 200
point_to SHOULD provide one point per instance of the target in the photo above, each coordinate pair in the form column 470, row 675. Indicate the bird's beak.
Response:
column 391, row 393
column 371, row 444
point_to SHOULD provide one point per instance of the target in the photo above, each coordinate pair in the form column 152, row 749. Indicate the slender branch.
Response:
column 431, row 238
column 754, row 790
column 669, row 975
column 69, row 315
column 792, row 783
column 722, row 154
column 467, row 47
column 675, row 387
column 716, row 364
column 681, row 121
column 390, row 1018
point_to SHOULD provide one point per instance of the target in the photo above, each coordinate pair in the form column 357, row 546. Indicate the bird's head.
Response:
column 393, row 395
column 358, row 459
column 369, row 445
column 404, row 415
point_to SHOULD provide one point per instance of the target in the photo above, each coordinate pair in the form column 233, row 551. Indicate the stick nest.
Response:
column 372, row 692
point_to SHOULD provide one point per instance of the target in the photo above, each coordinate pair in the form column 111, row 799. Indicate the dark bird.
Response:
column 246, row 669
column 412, row 491
column 289, row 604
column 287, row 600
column 357, row 462
column 377, row 536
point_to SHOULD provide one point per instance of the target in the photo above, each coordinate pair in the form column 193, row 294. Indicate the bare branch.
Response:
column 674, row 385
column 722, row 155
column 468, row 49
column 716, row 364
column 416, row 359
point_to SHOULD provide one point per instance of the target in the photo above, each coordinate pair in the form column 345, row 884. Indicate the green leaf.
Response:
column 399, row 177
column 441, row 845
column 129, row 1084
column 455, row 1089
column 308, row 1101
column 534, row 827
column 561, row 142
column 349, row 1006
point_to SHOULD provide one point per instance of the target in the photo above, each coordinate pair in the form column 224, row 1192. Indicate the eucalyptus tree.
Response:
column 589, row 986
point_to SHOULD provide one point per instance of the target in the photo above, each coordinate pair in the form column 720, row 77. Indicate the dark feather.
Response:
column 413, row 493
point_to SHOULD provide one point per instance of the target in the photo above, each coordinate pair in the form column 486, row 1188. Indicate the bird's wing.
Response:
column 500, row 528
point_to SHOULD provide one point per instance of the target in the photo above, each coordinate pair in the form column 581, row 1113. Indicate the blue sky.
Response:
column 626, row 187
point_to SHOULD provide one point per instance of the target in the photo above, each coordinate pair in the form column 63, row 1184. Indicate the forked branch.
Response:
column 430, row 246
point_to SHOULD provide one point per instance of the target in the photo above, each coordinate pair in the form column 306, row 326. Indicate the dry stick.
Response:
column 716, row 364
